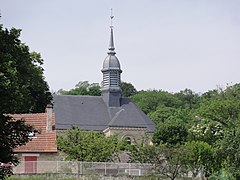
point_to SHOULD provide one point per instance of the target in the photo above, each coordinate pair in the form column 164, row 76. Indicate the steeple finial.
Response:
column 111, row 43
column 111, row 18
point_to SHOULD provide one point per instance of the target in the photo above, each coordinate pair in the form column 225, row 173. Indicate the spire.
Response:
column 111, row 70
column 111, row 43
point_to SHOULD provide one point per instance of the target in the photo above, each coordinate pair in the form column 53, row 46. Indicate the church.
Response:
column 110, row 113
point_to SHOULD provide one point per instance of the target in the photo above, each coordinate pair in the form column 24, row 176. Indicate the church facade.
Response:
column 110, row 113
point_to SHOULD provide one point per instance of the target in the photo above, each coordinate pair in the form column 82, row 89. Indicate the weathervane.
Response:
column 111, row 18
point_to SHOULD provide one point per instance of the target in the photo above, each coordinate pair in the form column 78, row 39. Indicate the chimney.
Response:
column 49, row 110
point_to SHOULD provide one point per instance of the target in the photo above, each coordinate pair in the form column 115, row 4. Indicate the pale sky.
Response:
column 161, row 44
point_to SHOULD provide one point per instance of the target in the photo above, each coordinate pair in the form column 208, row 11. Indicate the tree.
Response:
column 188, row 98
column 22, row 90
column 218, row 124
column 229, row 150
column 170, row 132
column 206, row 130
column 88, row 146
column 169, row 162
column 200, row 158
column 128, row 89
column 162, row 113
column 149, row 100
column 22, row 85
column 83, row 88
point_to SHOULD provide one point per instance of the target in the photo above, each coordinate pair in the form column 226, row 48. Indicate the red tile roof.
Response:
column 43, row 142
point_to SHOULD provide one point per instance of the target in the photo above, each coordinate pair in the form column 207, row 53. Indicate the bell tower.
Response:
column 111, row 70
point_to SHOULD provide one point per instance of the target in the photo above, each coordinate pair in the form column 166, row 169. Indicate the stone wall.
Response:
column 135, row 134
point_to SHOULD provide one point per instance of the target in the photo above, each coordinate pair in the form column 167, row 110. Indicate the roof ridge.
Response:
column 115, row 117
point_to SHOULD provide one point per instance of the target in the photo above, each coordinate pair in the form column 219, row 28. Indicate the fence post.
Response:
column 80, row 168
column 57, row 166
column 105, row 168
column 129, row 169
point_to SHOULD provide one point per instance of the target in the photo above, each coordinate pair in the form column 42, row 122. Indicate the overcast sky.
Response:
column 161, row 44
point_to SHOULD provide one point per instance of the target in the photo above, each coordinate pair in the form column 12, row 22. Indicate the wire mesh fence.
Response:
column 82, row 168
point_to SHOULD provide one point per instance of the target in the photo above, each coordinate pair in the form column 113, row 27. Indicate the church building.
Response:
column 110, row 113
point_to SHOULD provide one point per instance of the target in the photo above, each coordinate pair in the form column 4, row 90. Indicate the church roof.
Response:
column 92, row 113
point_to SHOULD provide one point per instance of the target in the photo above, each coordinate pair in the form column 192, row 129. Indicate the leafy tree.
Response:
column 22, row 90
column 88, row 146
column 218, row 125
column 174, row 161
column 128, row 89
column 169, row 162
column 210, row 95
column 94, row 90
column 206, row 127
column 223, row 107
column 229, row 150
column 83, row 88
column 206, row 131
column 200, row 158
column 170, row 133
column 149, row 100
column 162, row 113
column 22, row 85
column 188, row 98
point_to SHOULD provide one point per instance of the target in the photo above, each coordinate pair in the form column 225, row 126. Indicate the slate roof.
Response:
column 43, row 142
column 91, row 113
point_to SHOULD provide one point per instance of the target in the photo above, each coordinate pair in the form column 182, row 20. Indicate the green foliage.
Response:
column 223, row 107
column 206, row 130
column 205, row 126
column 128, row 89
column 169, row 162
column 22, row 85
column 22, row 90
column 225, row 172
column 222, row 174
column 229, row 150
column 188, row 98
column 170, row 133
column 149, row 100
column 200, row 157
column 88, row 146
column 162, row 114
column 83, row 88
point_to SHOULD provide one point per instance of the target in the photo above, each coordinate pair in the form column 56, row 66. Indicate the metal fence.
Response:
column 82, row 168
